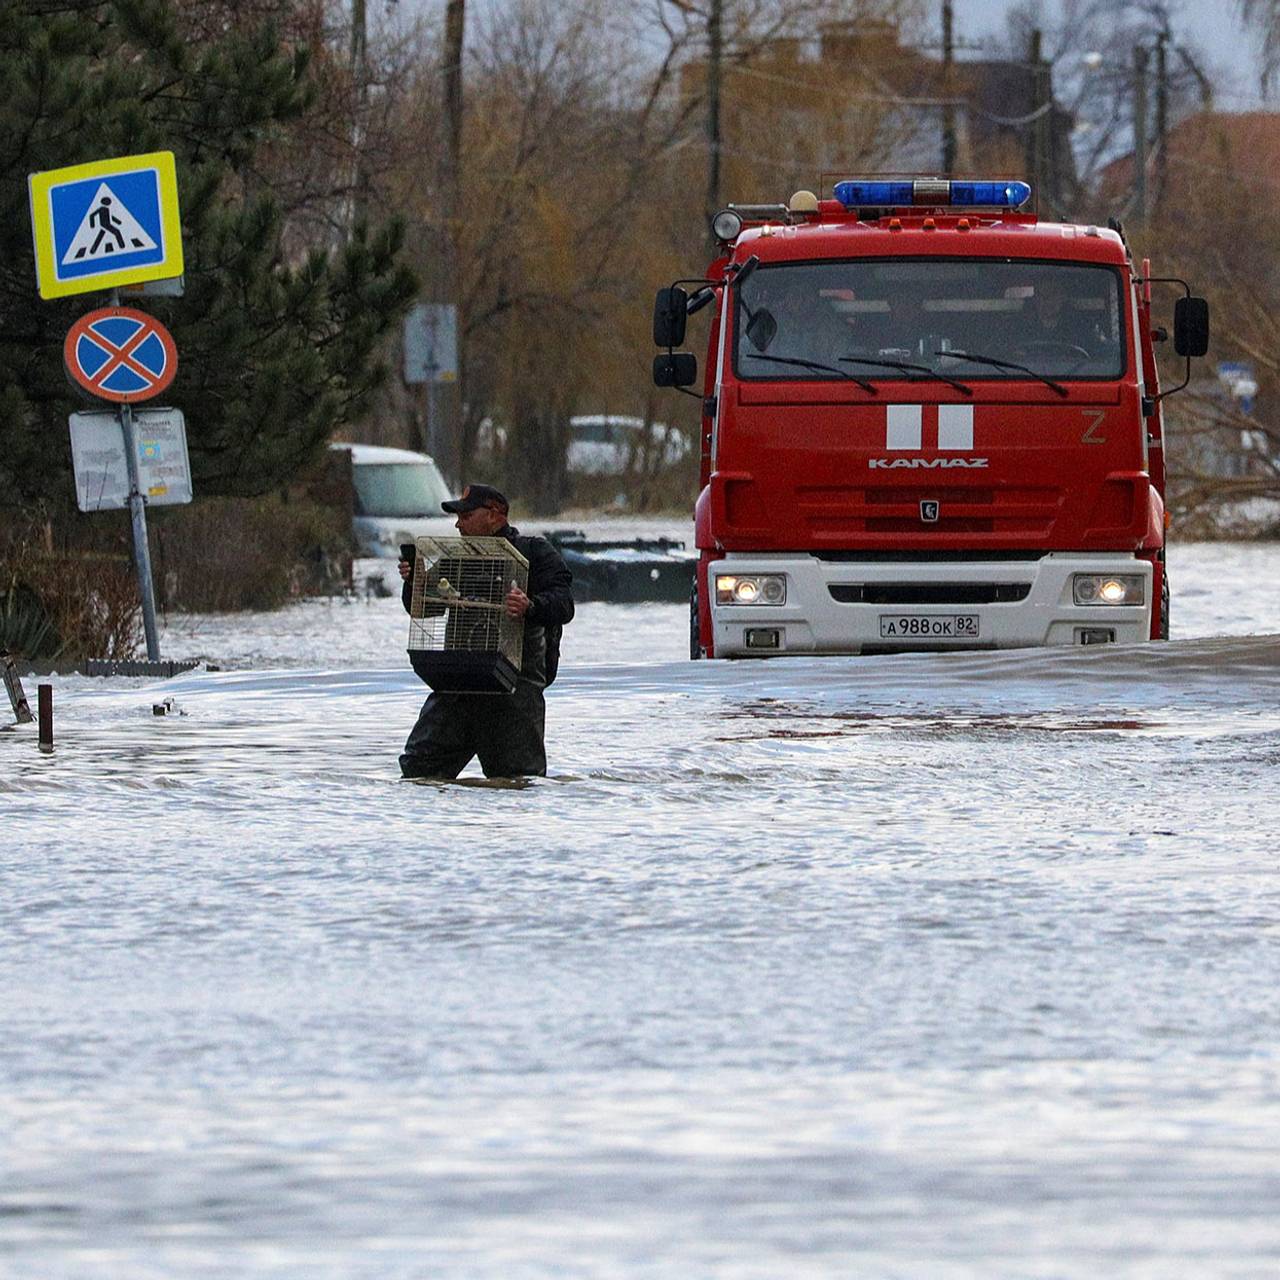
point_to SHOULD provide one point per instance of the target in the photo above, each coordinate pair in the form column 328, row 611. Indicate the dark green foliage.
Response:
column 25, row 625
column 274, row 353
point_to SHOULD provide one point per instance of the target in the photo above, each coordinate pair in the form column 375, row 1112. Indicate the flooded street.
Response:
column 937, row 965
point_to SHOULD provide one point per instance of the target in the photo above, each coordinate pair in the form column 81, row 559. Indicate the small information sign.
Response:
column 102, row 468
column 431, row 343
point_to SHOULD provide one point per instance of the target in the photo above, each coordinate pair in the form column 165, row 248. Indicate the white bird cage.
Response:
column 461, row 639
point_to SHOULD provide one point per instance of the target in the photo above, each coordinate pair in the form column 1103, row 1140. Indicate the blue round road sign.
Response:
column 119, row 354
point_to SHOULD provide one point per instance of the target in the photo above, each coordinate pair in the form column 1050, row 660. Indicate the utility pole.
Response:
column 1162, row 117
column 948, row 90
column 442, row 442
column 1140, row 134
column 454, row 30
column 360, row 85
column 715, row 56
column 1041, row 122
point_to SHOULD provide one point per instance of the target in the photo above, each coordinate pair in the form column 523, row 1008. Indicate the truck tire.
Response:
column 1164, row 604
column 695, row 648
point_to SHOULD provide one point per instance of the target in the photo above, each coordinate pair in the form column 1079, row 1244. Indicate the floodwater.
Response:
column 935, row 966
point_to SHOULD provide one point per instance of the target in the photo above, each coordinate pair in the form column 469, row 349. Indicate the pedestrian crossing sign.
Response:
column 109, row 223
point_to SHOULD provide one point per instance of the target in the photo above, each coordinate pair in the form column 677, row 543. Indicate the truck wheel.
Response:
column 695, row 649
column 1164, row 605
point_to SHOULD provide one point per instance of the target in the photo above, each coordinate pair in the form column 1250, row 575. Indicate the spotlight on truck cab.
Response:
column 726, row 225
column 901, row 193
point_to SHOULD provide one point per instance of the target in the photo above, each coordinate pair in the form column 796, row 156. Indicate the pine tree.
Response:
column 275, row 351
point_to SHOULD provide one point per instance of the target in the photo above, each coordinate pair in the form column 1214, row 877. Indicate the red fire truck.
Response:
column 930, row 421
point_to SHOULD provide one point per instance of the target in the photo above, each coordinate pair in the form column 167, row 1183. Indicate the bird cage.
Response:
column 461, row 638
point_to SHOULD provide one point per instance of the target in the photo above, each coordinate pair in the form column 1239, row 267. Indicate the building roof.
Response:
column 1244, row 146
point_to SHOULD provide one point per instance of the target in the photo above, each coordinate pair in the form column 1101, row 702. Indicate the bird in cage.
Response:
column 461, row 637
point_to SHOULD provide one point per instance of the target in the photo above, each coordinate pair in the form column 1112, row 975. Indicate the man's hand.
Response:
column 406, row 569
column 518, row 604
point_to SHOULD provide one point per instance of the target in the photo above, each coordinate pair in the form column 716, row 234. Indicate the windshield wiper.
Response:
column 1006, row 364
column 910, row 368
column 813, row 364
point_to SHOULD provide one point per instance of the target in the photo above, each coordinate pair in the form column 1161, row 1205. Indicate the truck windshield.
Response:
column 399, row 489
column 1057, row 320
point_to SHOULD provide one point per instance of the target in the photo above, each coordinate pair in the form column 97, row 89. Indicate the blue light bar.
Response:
column 854, row 195
column 1001, row 195
column 932, row 191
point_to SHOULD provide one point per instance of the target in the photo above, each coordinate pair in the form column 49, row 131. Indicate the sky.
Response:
column 1214, row 28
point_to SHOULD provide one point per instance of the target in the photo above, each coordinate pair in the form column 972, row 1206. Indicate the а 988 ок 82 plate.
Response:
column 929, row 626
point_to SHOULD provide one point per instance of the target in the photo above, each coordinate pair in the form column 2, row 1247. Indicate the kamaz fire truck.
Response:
column 930, row 421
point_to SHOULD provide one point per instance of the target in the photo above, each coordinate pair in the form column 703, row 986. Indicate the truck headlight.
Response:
column 1108, row 588
column 755, row 588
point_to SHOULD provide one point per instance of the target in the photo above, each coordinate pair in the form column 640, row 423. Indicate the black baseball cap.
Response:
column 475, row 496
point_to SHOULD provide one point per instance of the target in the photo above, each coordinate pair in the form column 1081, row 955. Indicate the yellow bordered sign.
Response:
column 109, row 223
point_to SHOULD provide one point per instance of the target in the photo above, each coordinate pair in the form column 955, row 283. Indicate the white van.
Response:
column 602, row 444
column 397, row 497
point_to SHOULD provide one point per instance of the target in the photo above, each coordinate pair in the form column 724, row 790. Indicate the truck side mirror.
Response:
column 1191, row 326
column 675, row 369
column 670, row 315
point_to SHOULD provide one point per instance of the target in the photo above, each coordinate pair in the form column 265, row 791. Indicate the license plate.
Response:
column 928, row 626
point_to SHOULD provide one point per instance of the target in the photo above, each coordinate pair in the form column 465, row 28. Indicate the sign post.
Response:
column 104, row 226
column 431, row 358
column 141, row 544
column 123, row 355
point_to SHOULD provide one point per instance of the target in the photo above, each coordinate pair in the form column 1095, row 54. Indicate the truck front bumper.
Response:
column 876, row 606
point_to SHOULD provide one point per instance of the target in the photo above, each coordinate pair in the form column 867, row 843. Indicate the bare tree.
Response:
column 1263, row 18
column 1089, row 48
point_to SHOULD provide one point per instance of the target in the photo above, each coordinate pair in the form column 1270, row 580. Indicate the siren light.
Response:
column 932, row 191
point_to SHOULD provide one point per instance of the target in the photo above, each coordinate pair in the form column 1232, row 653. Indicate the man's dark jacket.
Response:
column 551, row 591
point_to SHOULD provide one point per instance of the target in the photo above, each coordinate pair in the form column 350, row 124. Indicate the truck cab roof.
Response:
column 836, row 232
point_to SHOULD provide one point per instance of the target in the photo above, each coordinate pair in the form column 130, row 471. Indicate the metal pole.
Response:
column 141, row 549
column 1140, row 134
column 434, row 433
column 44, row 703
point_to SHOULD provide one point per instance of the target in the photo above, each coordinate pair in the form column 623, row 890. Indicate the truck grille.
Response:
column 832, row 511
column 932, row 556
column 929, row 592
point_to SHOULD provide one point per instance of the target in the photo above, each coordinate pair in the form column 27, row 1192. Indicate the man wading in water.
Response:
column 505, row 731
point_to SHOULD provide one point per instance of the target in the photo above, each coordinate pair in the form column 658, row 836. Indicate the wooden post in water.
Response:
column 45, row 699
column 17, row 698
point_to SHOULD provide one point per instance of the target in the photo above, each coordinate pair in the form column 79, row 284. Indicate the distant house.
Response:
column 1216, row 166
column 1243, row 147
column 855, row 99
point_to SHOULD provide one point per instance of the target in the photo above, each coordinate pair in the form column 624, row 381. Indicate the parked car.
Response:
column 603, row 444
column 396, row 497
